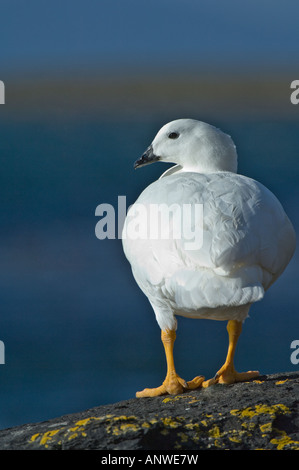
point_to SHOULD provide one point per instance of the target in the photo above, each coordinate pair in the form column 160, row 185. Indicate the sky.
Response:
column 42, row 36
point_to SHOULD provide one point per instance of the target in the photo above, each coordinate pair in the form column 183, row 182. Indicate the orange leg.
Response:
column 227, row 374
column 173, row 384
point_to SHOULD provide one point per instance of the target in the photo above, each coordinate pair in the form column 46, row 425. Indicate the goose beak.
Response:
column 147, row 158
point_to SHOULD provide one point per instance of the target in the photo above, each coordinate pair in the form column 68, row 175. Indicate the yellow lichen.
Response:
column 47, row 436
column 84, row 422
column 123, row 417
column 284, row 441
column 129, row 427
column 250, row 412
column 249, row 426
column 145, row 425
column 208, row 426
column 69, row 433
column 281, row 382
column 214, row 431
column 153, row 421
column 170, row 422
column 166, row 400
column 235, row 438
column 73, row 429
column 192, row 426
column 116, row 426
column 266, row 428
column 180, row 397
column 272, row 411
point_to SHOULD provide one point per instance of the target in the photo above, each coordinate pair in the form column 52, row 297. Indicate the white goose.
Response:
column 247, row 241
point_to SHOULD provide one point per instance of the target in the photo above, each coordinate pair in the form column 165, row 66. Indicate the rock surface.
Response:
column 261, row 414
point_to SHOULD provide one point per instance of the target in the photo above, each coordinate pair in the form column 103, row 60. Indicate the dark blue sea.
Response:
column 77, row 330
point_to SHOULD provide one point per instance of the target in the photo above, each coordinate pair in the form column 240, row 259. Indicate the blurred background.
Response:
column 87, row 86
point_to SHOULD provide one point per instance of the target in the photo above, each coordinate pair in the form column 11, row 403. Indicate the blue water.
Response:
column 77, row 330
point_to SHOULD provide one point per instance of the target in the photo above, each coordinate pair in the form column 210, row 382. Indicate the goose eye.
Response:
column 173, row 135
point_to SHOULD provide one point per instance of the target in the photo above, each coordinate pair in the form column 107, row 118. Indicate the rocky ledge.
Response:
column 260, row 414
